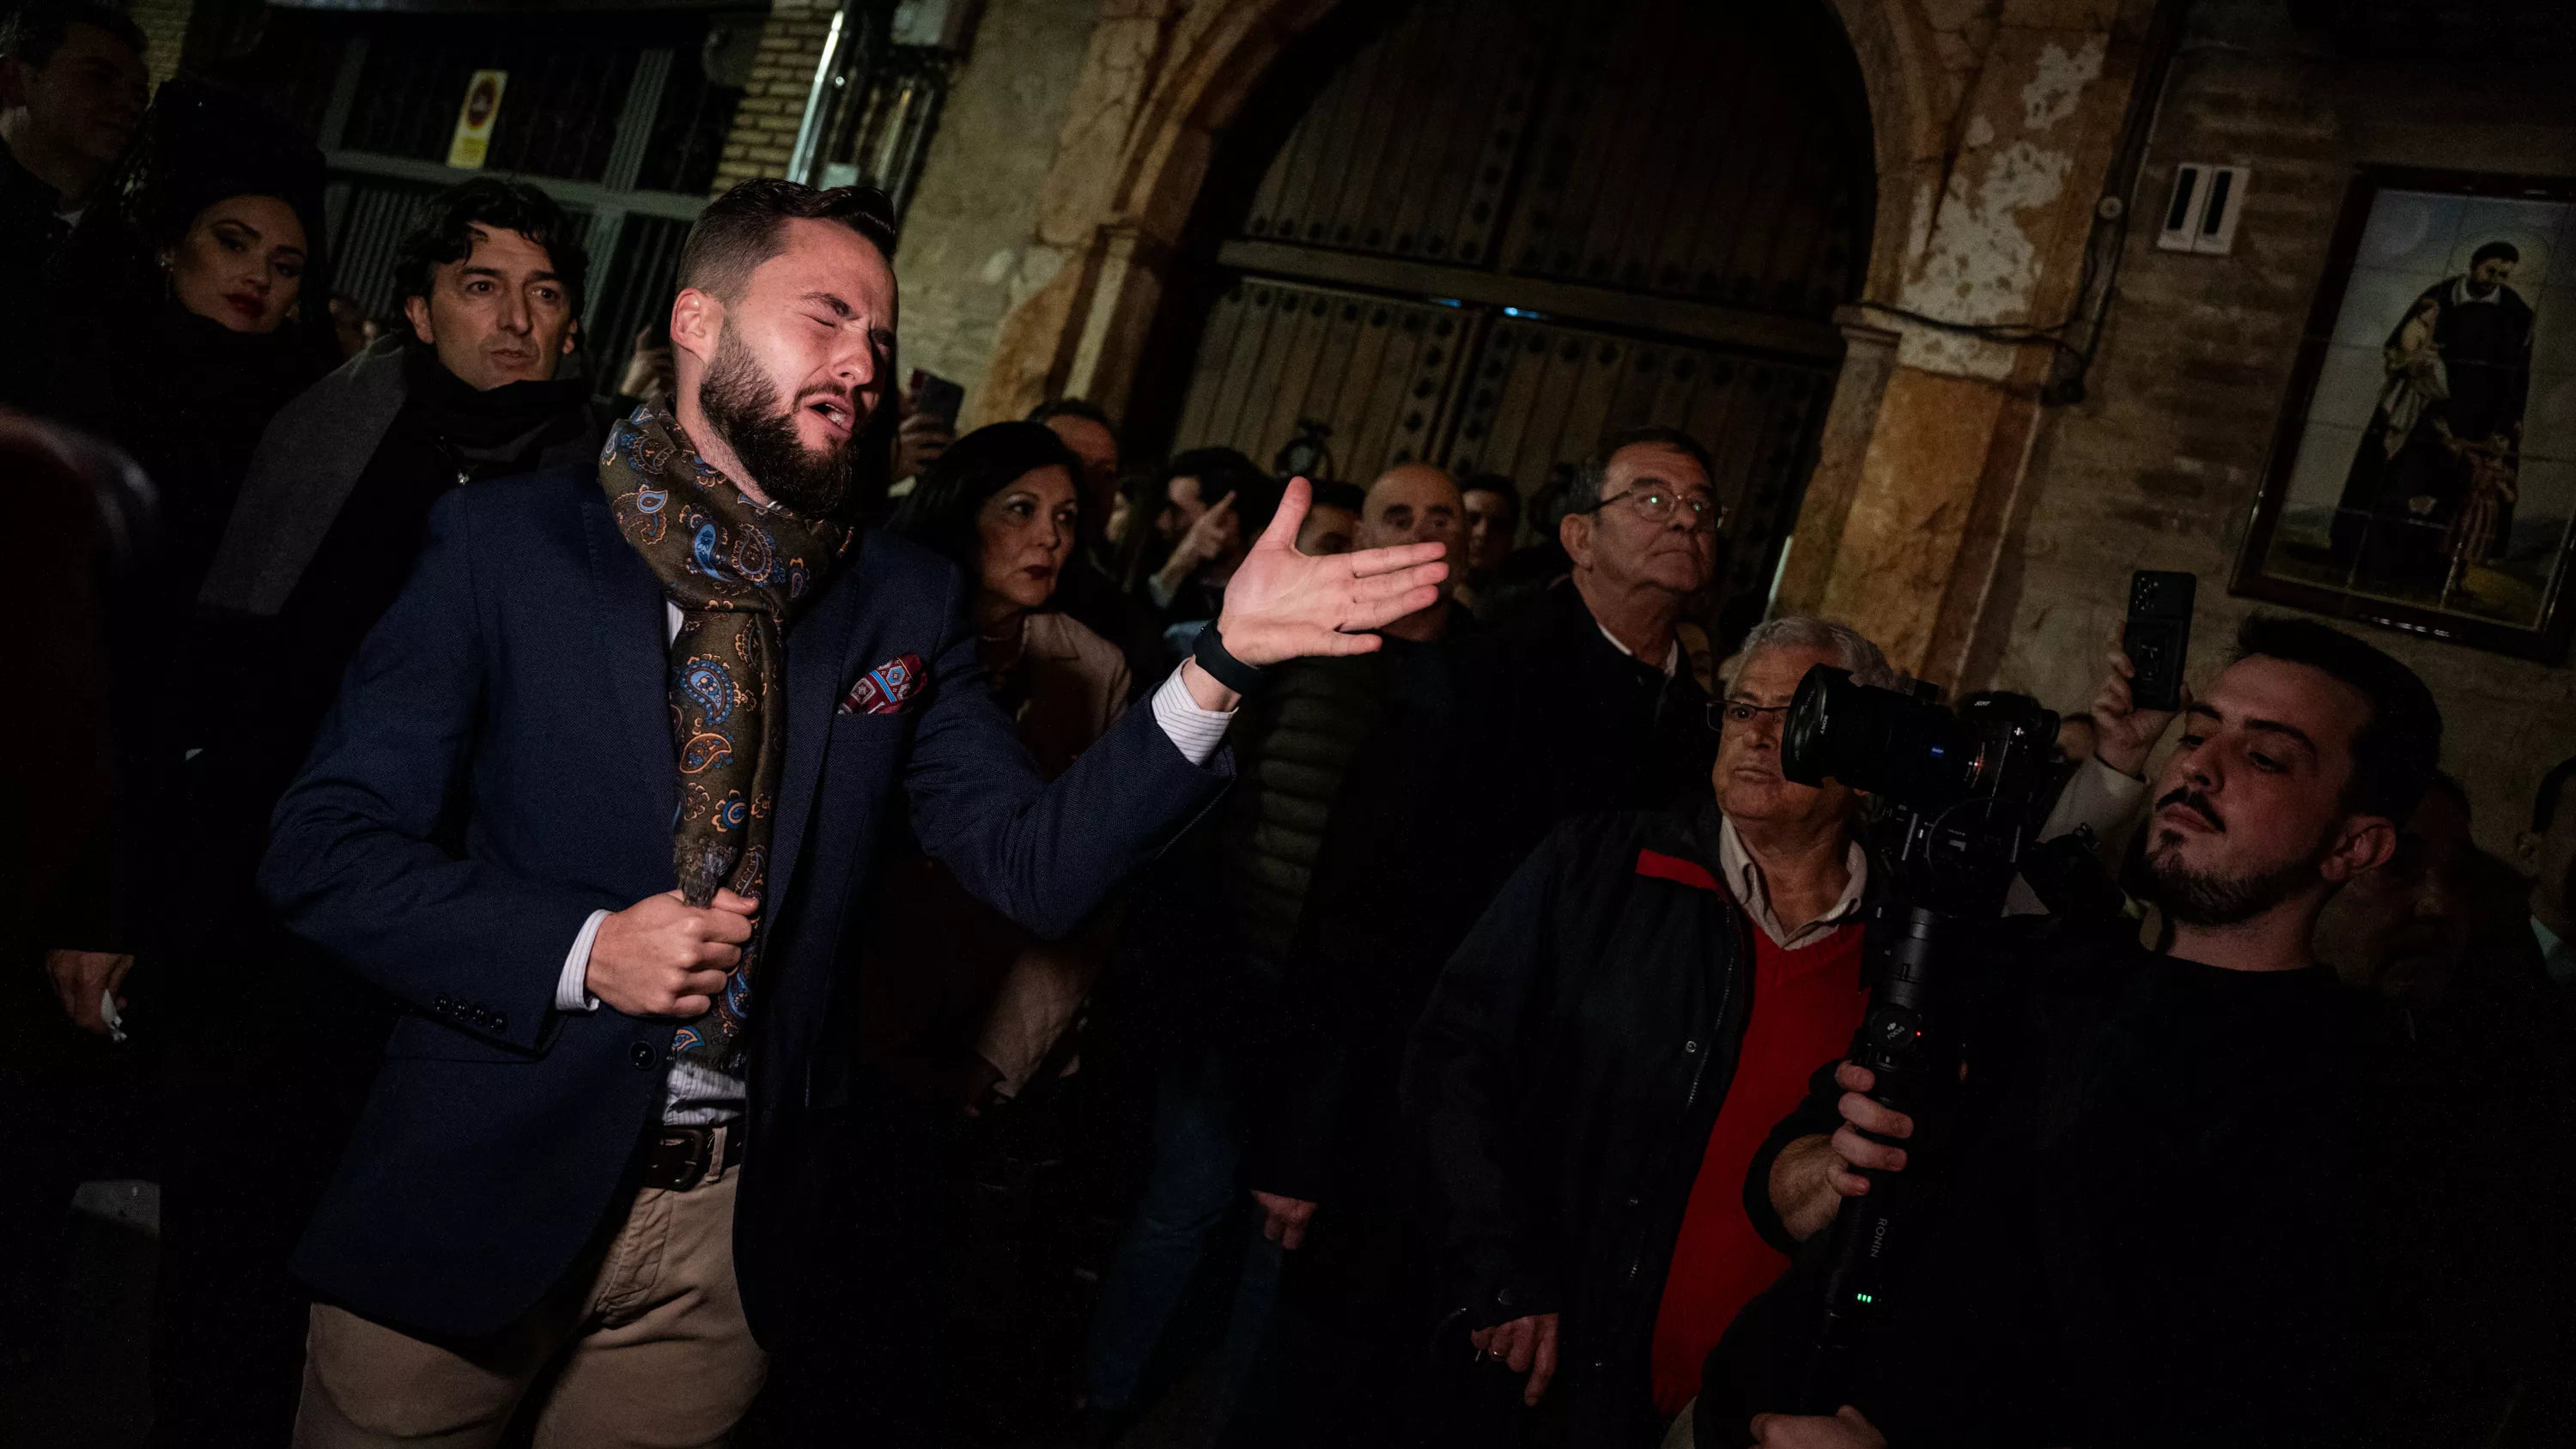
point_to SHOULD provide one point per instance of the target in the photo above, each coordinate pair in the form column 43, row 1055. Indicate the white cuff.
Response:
column 2098, row 796
column 1155, row 591
column 1195, row 732
column 572, row 988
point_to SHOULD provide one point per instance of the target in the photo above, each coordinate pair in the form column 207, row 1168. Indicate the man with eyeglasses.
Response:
column 1613, row 1043
column 1595, row 678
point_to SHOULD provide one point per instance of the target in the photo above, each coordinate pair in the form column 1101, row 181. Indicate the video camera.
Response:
column 1972, row 779
column 1974, row 783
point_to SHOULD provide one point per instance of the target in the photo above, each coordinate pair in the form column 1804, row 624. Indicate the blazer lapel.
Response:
column 635, row 648
column 818, row 648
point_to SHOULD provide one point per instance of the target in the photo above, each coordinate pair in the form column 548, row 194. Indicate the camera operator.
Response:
column 1607, row 1050
column 2147, row 1220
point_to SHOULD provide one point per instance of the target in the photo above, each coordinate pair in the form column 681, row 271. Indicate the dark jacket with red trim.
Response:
column 1560, row 1089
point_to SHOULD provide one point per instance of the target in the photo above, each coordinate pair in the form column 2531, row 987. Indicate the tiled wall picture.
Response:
column 2424, row 471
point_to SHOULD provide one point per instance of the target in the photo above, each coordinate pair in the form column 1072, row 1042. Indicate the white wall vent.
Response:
column 2201, row 217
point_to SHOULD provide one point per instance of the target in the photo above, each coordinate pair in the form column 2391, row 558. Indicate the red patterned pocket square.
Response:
column 887, row 688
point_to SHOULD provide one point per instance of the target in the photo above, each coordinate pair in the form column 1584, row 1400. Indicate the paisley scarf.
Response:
column 738, row 573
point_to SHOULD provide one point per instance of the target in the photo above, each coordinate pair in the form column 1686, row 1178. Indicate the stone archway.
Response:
column 1993, row 123
column 1159, row 82
column 1162, row 80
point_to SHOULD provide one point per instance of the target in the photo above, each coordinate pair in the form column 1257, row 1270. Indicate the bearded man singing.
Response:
column 595, row 804
column 2149, row 1220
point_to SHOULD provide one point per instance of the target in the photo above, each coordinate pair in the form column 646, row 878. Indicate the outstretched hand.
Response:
column 1282, row 604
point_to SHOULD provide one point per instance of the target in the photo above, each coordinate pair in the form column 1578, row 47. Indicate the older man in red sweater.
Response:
column 1791, row 858
column 1611, row 1045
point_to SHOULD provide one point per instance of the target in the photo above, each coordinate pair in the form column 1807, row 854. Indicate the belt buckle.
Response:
column 689, row 1167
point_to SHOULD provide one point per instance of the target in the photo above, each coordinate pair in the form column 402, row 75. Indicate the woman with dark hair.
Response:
column 1004, row 504
column 177, row 329
column 190, row 305
column 187, row 309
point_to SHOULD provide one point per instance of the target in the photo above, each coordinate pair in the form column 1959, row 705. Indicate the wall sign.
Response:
column 2423, row 474
column 474, row 120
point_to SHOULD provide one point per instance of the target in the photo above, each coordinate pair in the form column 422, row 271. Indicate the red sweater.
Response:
column 1806, row 1005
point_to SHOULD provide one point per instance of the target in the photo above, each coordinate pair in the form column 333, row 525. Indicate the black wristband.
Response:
column 1227, row 670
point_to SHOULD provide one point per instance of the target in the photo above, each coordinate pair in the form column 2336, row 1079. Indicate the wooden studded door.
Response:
column 1502, row 230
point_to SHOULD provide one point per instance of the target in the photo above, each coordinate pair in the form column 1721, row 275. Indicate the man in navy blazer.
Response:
column 544, row 1191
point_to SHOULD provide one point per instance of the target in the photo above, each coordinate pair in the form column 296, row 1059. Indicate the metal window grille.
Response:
column 879, row 116
column 625, row 136
column 636, row 287
column 367, row 220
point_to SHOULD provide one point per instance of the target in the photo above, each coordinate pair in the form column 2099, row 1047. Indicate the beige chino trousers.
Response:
column 644, row 1347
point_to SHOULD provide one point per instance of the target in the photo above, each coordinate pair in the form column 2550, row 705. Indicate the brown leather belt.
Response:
column 679, row 1158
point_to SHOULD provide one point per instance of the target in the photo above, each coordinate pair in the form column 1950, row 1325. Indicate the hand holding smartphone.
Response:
column 2158, row 636
column 935, row 396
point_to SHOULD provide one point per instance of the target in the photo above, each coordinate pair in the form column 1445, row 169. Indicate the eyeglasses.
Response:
column 1656, row 506
column 1727, row 714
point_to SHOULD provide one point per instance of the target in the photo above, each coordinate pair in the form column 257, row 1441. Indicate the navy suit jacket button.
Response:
column 642, row 1056
column 440, row 1006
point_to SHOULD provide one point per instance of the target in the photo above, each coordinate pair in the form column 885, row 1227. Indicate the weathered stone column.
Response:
column 1941, row 476
column 1869, row 356
column 1106, row 270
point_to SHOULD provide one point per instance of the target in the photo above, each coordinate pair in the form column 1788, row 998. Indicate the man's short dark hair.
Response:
column 32, row 33
column 1349, row 497
column 2553, row 789
column 2494, row 249
column 1583, row 495
column 2446, row 783
column 1073, row 407
column 2398, row 749
column 740, row 229
column 1498, row 484
column 443, row 232
column 1220, row 471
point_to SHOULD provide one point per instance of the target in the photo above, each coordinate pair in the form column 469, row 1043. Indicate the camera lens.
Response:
column 1876, row 740
column 1806, row 754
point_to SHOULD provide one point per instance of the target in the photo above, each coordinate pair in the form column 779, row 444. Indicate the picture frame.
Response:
column 2422, row 474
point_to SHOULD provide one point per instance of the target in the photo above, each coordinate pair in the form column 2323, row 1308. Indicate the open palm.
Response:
column 1282, row 604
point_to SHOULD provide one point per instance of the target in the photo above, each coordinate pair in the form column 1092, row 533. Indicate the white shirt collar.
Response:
column 1672, row 656
column 1744, row 878
column 2555, row 957
column 2460, row 296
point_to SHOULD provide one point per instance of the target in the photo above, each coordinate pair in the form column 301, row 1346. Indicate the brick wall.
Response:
column 165, row 25
column 773, row 106
column 968, row 257
column 2159, row 467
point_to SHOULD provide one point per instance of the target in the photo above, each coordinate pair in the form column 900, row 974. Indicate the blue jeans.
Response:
column 1194, row 1189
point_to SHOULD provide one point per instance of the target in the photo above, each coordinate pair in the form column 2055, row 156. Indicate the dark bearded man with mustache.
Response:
column 2148, row 1219
column 597, row 805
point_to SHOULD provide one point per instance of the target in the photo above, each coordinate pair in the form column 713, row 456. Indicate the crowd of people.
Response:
column 590, row 868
